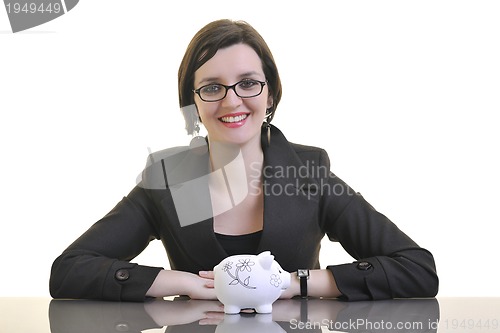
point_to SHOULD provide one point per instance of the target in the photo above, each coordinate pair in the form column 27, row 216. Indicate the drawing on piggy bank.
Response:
column 249, row 282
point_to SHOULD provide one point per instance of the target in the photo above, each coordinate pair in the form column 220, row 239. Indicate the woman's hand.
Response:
column 200, row 286
column 172, row 283
column 293, row 289
column 207, row 277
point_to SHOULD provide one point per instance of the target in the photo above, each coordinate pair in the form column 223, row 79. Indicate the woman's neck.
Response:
column 221, row 154
column 236, row 187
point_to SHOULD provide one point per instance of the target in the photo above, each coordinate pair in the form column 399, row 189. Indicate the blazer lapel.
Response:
column 290, row 197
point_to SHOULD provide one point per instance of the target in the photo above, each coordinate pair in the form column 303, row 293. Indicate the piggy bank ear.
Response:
column 266, row 260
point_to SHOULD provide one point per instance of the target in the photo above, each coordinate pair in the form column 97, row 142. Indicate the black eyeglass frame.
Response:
column 233, row 87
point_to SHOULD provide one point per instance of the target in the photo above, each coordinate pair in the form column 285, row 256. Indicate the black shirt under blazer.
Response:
column 388, row 263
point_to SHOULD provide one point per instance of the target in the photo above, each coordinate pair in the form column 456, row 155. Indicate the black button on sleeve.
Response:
column 122, row 275
column 364, row 266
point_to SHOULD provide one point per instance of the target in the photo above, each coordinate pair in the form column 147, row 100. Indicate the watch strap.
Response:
column 303, row 275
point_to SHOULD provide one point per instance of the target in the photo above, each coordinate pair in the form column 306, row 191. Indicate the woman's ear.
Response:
column 270, row 102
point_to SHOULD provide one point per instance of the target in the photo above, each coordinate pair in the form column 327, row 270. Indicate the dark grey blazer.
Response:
column 299, row 209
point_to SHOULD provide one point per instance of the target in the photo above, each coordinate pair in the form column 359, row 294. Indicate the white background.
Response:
column 404, row 95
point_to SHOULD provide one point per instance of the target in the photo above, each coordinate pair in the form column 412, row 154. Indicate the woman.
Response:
column 281, row 197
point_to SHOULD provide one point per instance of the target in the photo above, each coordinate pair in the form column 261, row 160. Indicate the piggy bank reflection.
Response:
column 249, row 324
column 249, row 282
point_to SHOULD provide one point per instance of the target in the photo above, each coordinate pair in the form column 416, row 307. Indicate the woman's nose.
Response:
column 231, row 99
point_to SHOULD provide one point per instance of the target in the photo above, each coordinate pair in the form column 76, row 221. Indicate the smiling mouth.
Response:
column 233, row 119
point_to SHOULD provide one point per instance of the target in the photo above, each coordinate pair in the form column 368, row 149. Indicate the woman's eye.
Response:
column 247, row 84
column 211, row 89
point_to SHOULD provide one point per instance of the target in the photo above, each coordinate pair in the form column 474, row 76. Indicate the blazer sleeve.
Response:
column 389, row 264
column 97, row 265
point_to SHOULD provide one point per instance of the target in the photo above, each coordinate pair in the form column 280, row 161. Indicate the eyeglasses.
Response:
column 246, row 88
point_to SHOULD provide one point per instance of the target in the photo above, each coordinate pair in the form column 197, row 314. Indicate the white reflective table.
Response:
column 45, row 315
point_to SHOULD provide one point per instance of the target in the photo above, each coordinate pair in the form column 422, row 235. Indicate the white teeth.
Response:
column 234, row 119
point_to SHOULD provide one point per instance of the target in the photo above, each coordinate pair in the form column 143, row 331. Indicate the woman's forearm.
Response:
column 321, row 283
column 172, row 283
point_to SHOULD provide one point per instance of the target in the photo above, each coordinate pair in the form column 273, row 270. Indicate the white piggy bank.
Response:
column 249, row 281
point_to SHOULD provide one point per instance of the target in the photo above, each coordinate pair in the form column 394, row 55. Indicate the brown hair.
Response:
column 212, row 37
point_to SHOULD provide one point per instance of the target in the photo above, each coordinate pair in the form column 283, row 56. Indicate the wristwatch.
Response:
column 303, row 275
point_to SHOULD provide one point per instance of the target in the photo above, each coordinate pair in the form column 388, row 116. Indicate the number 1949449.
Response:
column 470, row 324
column 32, row 8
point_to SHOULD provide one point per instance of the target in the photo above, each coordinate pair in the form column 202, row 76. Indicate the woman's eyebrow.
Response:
column 209, row 80
column 249, row 74
column 217, row 79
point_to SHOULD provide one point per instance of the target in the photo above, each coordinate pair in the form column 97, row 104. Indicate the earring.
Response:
column 267, row 128
column 266, row 125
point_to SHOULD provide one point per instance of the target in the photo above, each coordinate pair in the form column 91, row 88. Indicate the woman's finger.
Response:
column 206, row 274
